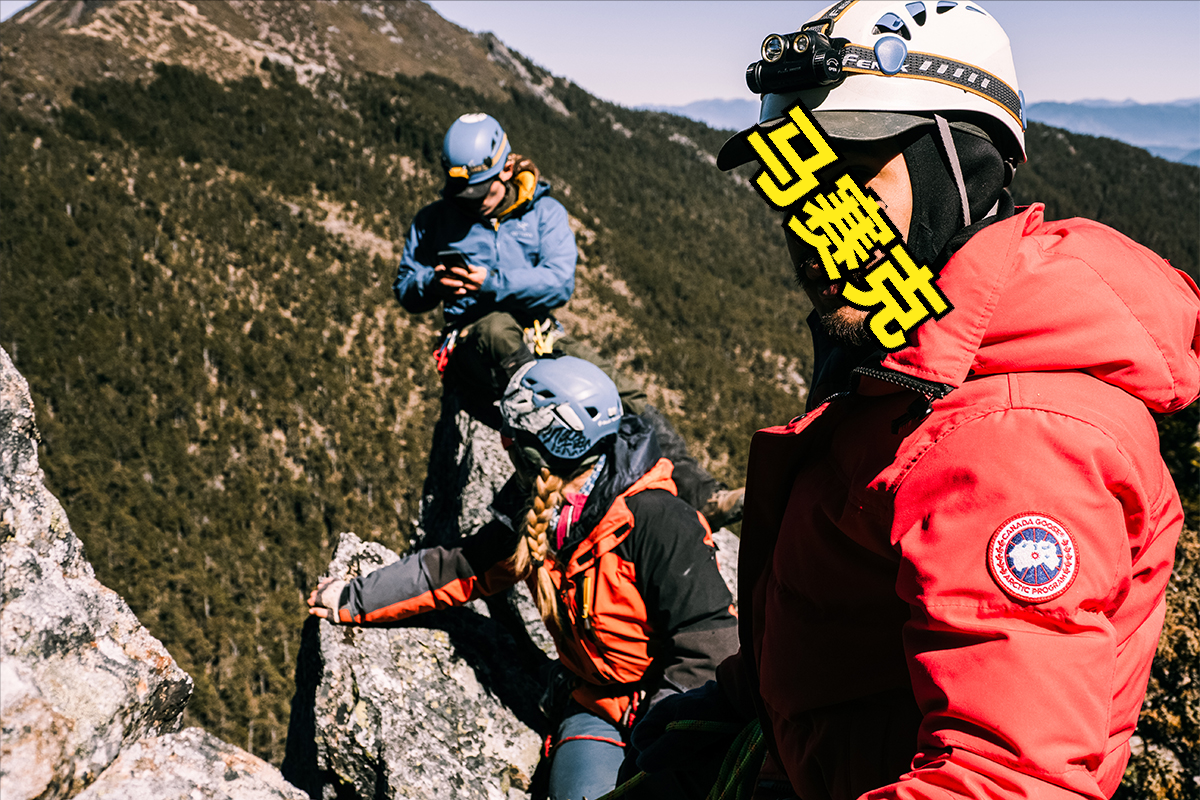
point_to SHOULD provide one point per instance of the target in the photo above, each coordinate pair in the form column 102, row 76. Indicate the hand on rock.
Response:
column 323, row 600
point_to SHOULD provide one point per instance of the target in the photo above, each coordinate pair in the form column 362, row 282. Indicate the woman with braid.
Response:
column 623, row 572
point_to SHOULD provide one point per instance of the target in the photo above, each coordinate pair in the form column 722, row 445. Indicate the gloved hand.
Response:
column 323, row 600
column 712, row 724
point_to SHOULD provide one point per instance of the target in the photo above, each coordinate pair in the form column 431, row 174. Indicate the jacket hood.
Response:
column 1070, row 295
column 522, row 190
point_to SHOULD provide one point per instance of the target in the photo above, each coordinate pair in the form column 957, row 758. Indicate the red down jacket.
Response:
column 969, row 607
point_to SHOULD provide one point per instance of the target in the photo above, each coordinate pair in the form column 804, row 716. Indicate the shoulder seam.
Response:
column 930, row 445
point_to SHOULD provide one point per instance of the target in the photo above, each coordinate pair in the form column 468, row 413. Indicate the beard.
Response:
column 844, row 323
column 847, row 325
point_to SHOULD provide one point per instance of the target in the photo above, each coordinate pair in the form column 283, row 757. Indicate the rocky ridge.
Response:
column 445, row 706
column 227, row 40
column 438, row 708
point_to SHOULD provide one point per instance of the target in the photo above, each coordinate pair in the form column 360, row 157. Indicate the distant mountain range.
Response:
column 1168, row 130
column 730, row 115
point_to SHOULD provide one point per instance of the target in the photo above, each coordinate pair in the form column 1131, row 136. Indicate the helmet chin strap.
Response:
column 955, row 167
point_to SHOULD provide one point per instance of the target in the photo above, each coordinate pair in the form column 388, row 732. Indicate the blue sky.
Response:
column 672, row 52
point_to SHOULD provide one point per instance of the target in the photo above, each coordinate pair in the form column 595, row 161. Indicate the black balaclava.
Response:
column 936, row 232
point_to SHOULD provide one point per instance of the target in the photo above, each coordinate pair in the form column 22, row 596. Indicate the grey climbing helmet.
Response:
column 561, row 407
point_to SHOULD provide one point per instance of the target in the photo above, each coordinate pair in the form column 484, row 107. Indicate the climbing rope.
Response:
column 741, row 766
column 626, row 787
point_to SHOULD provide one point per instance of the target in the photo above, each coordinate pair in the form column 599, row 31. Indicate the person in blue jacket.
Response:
column 497, row 252
column 515, row 239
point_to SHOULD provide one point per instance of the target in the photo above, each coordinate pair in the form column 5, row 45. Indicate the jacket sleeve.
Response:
column 1036, row 697
column 686, row 598
column 432, row 578
column 547, row 279
column 413, row 278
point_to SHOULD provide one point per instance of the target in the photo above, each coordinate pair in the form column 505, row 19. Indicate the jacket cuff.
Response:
column 342, row 613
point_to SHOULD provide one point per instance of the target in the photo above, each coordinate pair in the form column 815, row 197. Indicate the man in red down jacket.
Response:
column 953, row 565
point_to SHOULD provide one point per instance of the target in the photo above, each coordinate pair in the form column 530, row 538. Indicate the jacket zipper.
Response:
column 927, row 392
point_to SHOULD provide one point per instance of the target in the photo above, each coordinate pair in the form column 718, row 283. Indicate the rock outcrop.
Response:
column 192, row 764
column 467, row 466
column 87, row 696
column 81, row 677
column 444, row 706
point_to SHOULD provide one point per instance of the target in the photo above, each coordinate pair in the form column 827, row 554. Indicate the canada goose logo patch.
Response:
column 1032, row 557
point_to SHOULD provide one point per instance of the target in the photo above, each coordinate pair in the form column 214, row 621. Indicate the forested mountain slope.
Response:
column 201, row 207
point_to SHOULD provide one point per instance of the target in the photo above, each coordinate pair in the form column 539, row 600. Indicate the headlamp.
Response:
column 465, row 170
column 773, row 48
column 790, row 62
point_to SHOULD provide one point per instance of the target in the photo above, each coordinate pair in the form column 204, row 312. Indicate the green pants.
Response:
column 491, row 349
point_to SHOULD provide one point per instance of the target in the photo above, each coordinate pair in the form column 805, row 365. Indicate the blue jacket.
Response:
column 530, row 257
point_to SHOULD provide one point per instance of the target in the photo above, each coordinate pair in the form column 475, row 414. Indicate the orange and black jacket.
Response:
column 645, row 611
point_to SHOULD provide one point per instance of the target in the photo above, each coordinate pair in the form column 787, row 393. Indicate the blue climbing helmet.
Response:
column 561, row 408
column 474, row 152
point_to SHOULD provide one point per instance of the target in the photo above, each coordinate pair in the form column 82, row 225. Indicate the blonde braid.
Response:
column 534, row 547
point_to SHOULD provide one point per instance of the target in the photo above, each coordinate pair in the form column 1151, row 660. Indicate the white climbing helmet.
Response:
column 901, row 62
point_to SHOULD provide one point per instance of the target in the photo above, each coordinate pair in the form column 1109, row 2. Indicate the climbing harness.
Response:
column 442, row 350
column 550, row 745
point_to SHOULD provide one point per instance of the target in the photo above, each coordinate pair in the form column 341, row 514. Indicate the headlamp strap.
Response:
column 928, row 67
column 826, row 22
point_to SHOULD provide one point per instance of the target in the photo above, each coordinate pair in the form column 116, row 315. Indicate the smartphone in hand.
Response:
column 453, row 258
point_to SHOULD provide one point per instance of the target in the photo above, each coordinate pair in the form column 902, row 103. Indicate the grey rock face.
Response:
column 189, row 764
column 727, row 559
column 467, row 467
column 443, row 708
column 89, row 700
column 81, row 677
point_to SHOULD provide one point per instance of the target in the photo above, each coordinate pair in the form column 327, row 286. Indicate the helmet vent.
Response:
column 976, row 10
column 917, row 10
column 592, row 411
column 891, row 23
column 546, row 394
column 945, row 5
